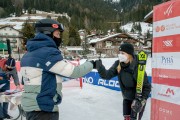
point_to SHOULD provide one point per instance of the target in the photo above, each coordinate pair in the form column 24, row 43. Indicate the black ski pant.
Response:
column 128, row 111
column 4, row 105
column 41, row 115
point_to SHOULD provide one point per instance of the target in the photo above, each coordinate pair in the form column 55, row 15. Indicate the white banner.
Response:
column 169, row 60
column 166, row 27
column 166, row 93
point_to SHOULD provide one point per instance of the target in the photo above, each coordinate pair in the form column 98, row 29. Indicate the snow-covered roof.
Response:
column 17, row 22
column 94, row 40
column 77, row 48
column 120, row 35
column 11, row 28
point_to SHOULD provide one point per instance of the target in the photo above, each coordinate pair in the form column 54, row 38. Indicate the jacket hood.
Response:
column 40, row 40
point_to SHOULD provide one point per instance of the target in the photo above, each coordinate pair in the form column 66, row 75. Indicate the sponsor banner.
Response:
column 95, row 79
column 169, row 60
column 166, row 93
column 166, row 77
column 162, row 110
column 166, row 27
column 18, row 66
column 166, row 10
column 166, row 44
column 165, row 62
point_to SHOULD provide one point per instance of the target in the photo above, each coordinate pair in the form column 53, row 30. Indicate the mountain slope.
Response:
column 86, row 14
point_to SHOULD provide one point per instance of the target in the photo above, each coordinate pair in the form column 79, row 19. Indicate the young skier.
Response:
column 126, row 69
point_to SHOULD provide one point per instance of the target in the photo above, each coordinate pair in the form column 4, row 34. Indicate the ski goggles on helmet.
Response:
column 59, row 27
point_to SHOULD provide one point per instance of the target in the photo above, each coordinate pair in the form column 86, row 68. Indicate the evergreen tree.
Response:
column 85, row 14
column 132, row 30
column 28, row 31
column 139, row 28
column 118, row 29
column 74, row 38
column 63, row 20
column 148, row 35
column 48, row 17
column 65, row 37
column 2, row 12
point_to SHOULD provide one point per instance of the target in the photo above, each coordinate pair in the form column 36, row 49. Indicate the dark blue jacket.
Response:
column 42, row 68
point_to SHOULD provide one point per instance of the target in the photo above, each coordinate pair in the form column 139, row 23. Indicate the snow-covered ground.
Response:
column 93, row 103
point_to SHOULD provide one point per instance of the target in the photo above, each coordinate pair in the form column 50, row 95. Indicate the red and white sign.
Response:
column 166, row 93
column 165, row 62
column 166, row 10
column 163, row 110
column 166, row 44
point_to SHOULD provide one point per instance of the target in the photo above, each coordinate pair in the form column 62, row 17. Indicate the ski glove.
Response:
column 98, row 64
column 138, row 104
column 94, row 64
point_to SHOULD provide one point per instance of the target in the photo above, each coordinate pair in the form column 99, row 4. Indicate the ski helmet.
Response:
column 48, row 26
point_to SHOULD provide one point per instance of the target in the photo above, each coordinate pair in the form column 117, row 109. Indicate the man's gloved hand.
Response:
column 138, row 104
column 98, row 63
column 94, row 64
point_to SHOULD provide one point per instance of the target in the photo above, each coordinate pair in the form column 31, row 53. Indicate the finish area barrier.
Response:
column 95, row 79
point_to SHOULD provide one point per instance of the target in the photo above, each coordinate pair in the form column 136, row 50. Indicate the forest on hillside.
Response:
column 85, row 14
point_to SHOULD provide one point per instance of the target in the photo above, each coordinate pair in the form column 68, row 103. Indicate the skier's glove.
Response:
column 98, row 64
column 94, row 64
column 138, row 104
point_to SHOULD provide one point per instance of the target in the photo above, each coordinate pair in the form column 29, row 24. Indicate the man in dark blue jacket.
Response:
column 11, row 69
column 42, row 68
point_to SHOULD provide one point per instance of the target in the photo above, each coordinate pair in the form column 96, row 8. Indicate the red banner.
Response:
column 166, row 44
column 166, row 10
column 164, row 111
column 165, row 63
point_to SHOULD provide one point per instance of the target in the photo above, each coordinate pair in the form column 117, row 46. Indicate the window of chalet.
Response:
column 100, row 45
column 108, row 43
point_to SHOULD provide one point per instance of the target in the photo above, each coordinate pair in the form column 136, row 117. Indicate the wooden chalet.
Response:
column 109, row 45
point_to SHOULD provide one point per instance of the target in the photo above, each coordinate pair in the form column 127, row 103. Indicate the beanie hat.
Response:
column 128, row 48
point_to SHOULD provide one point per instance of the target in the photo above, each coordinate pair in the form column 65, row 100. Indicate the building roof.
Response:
column 11, row 36
column 149, row 17
column 10, row 27
column 117, row 35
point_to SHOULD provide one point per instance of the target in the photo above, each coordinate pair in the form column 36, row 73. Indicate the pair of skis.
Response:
column 142, row 58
